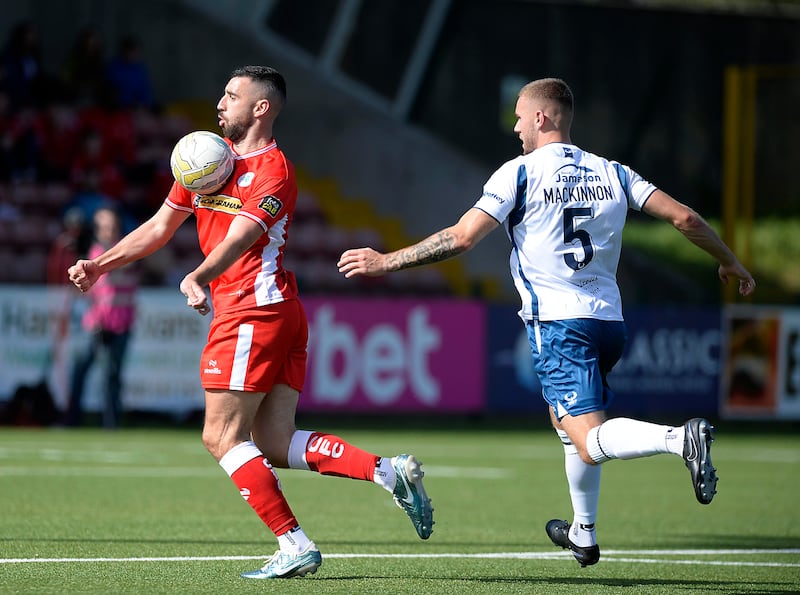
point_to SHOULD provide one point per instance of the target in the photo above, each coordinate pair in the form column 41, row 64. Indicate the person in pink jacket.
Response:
column 108, row 319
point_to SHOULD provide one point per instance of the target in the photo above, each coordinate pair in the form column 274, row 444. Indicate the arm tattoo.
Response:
column 437, row 247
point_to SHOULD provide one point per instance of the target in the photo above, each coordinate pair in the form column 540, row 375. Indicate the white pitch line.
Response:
column 122, row 471
column 610, row 556
column 696, row 552
column 705, row 562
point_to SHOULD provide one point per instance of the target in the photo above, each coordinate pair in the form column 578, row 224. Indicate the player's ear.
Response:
column 261, row 107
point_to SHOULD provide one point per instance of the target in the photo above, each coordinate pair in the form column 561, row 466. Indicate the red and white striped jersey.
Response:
column 263, row 188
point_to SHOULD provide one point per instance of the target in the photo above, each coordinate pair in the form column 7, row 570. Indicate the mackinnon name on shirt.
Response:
column 577, row 194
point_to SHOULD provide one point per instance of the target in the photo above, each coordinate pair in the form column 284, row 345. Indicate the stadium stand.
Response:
column 69, row 142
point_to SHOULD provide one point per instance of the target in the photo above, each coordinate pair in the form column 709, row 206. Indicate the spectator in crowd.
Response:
column 94, row 173
column 20, row 153
column 59, row 133
column 21, row 71
column 72, row 243
column 84, row 70
column 108, row 320
column 129, row 76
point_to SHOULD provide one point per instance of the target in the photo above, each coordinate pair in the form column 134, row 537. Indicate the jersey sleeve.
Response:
column 500, row 193
column 270, row 201
column 637, row 189
column 179, row 198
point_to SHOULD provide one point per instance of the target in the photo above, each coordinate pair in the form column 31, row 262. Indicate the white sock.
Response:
column 582, row 535
column 624, row 438
column 297, row 450
column 584, row 492
column 293, row 541
column 240, row 454
column 385, row 475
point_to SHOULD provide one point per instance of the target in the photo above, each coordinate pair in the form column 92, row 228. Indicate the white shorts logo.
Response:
column 212, row 368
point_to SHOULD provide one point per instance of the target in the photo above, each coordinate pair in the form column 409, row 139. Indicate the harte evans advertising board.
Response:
column 365, row 355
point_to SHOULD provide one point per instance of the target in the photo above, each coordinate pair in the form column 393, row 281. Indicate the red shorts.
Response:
column 252, row 351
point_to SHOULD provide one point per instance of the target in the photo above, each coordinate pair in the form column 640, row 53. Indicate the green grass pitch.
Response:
column 149, row 511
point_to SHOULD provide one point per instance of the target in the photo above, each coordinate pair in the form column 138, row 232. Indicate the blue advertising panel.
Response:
column 512, row 385
column 671, row 364
column 670, row 367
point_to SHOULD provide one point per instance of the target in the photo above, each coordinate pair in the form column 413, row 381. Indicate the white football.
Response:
column 201, row 162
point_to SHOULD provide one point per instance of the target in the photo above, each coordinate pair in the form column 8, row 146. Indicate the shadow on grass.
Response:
column 742, row 542
column 596, row 584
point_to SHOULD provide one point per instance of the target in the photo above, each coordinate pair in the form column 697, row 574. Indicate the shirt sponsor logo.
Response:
column 499, row 199
column 221, row 203
column 578, row 174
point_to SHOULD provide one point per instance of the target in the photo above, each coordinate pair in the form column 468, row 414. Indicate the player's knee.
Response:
column 211, row 441
column 583, row 452
column 219, row 443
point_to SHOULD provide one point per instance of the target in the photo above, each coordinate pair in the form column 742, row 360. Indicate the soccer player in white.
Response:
column 564, row 210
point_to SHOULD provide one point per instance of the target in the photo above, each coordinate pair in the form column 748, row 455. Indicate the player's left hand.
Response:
column 361, row 261
column 747, row 284
column 195, row 295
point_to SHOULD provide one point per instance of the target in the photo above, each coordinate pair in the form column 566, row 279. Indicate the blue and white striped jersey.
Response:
column 564, row 210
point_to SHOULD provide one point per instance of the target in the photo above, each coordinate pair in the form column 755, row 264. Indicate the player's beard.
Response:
column 236, row 131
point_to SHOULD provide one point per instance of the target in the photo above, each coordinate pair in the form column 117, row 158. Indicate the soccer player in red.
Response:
column 253, row 365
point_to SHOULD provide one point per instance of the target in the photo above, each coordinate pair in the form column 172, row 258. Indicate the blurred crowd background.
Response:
column 74, row 138
column 397, row 113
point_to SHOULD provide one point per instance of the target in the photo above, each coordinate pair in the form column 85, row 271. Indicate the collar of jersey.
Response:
column 260, row 151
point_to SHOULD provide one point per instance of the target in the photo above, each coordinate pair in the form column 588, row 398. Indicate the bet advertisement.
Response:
column 406, row 355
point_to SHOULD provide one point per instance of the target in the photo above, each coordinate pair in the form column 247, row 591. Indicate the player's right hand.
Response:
column 361, row 261
column 195, row 295
column 84, row 274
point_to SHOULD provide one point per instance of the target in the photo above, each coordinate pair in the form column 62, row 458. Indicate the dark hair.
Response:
column 270, row 79
column 113, row 209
